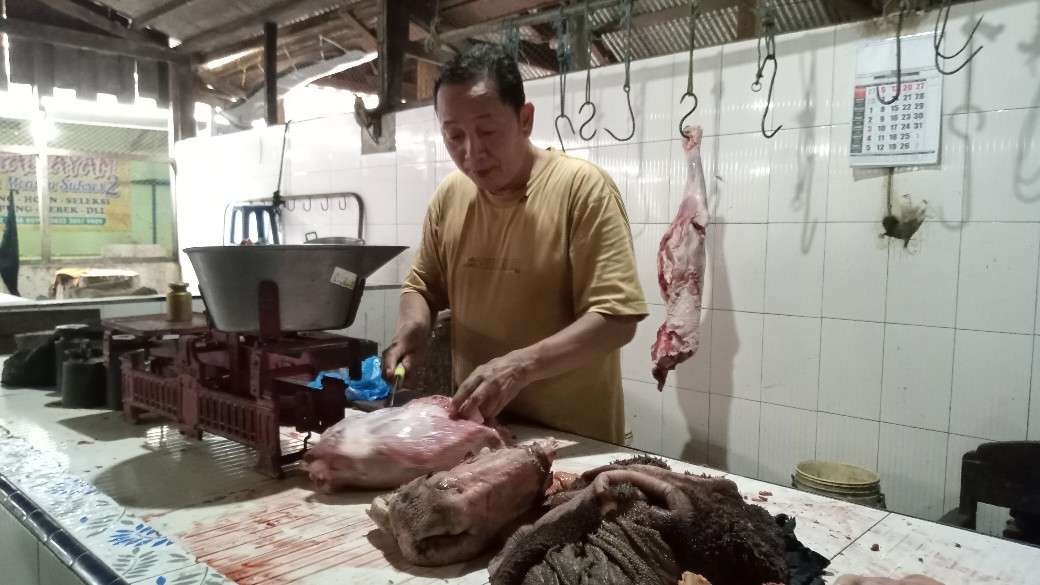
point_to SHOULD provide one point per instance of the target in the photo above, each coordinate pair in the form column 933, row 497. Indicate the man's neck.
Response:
column 535, row 161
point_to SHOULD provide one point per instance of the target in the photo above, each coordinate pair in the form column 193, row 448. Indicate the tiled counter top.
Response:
column 140, row 504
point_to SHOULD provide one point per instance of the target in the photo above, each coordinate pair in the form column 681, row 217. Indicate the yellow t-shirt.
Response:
column 514, row 273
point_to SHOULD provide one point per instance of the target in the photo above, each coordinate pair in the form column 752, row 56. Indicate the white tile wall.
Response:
column 788, row 437
column 851, row 361
column 915, row 390
column 643, row 415
column 794, row 268
column 1014, row 49
column 736, row 354
column 847, row 439
column 791, row 361
column 684, row 425
column 922, row 277
column 798, row 175
column 1005, row 146
column 998, row 273
column 739, row 260
column 912, row 466
column 795, row 234
column 743, row 180
column 855, row 272
column 733, row 433
column 802, row 95
column 991, row 385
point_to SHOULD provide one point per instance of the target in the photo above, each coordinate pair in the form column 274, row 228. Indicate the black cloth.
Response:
column 805, row 565
column 9, row 262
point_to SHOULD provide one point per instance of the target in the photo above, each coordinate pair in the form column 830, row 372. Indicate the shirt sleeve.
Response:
column 427, row 275
column 602, row 255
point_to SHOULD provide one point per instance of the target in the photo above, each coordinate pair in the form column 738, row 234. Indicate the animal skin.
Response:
column 454, row 516
column 640, row 523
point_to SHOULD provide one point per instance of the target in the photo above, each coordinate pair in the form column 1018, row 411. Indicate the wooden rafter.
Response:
column 84, row 40
column 101, row 21
column 158, row 12
column 250, row 26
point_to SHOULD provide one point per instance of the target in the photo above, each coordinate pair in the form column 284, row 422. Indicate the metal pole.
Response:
column 271, row 71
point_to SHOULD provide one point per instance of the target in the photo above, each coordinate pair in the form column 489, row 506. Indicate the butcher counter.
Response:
column 87, row 496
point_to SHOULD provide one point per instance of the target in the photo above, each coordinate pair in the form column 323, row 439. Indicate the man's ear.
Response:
column 527, row 119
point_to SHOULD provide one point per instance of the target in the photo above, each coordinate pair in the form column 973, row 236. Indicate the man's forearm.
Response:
column 414, row 316
column 592, row 335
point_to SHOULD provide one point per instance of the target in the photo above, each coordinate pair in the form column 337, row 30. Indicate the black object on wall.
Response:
column 9, row 262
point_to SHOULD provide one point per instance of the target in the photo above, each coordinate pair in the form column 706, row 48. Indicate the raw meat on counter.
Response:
column 454, row 516
column 392, row 446
column 681, row 260
column 638, row 523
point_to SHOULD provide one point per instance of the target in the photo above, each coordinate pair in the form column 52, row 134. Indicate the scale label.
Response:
column 907, row 131
column 344, row 278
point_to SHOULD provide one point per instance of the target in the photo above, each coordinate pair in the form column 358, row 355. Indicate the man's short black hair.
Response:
column 485, row 62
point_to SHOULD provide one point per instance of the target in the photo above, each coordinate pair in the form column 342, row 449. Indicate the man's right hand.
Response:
column 408, row 349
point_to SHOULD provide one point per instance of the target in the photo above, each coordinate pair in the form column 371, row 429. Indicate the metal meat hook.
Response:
column 769, row 98
column 627, row 88
column 689, row 72
column 937, row 38
column 588, row 89
column 563, row 56
column 899, row 58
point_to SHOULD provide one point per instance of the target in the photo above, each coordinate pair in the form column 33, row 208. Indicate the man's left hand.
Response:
column 491, row 387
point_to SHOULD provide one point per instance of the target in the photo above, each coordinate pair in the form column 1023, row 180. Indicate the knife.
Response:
column 398, row 378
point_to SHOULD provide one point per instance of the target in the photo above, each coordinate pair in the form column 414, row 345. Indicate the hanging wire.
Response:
column 627, row 24
column 904, row 8
column 433, row 41
column 588, row 82
column 937, row 39
column 563, row 57
column 768, row 36
column 694, row 12
column 511, row 39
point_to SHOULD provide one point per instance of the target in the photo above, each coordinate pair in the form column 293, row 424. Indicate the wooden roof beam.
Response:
column 252, row 25
column 102, row 22
column 158, row 12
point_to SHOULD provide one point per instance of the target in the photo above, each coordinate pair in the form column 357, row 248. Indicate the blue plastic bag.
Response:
column 370, row 386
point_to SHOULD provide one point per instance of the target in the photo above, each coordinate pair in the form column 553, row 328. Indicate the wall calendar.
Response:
column 896, row 115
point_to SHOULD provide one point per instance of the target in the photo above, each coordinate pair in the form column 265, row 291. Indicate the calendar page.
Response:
column 906, row 132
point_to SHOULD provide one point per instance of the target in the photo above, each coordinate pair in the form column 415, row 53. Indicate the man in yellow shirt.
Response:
column 532, row 251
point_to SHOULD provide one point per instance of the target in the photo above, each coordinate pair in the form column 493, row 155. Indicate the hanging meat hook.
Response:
column 937, row 39
column 325, row 204
column 904, row 7
column 342, row 203
column 694, row 8
column 290, row 205
column 627, row 87
column 306, row 205
column 588, row 86
column 563, row 57
column 769, row 36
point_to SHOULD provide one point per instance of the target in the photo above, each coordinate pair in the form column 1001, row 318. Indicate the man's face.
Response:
column 486, row 137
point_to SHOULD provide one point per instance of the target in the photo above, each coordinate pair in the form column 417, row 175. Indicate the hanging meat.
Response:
column 681, row 261
column 391, row 446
